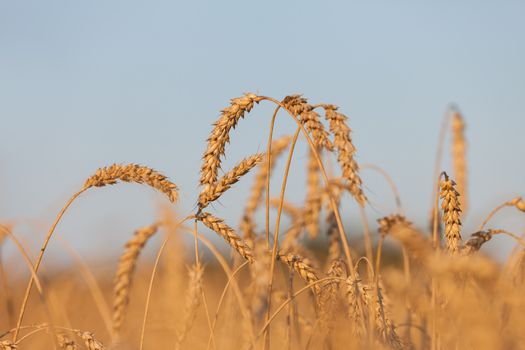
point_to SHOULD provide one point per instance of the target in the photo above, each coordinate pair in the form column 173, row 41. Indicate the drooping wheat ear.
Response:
column 247, row 225
column 124, row 274
column 357, row 298
column 220, row 136
column 216, row 190
column 519, row 203
column 313, row 200
column 476, row 240
column 133, row 173
column 345, row 151
column 193, row 297
column 296, row 104
column 90, row 341
column 451, row 214
column 311, row 120
column 302, row 267
column 384, row 324
column 227, row 233
column 260, row 277
column 65, row 342
column 8, row 345
column 386, row 223
column 459, row 149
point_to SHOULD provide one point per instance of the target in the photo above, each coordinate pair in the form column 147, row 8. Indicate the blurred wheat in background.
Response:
column 294, row 276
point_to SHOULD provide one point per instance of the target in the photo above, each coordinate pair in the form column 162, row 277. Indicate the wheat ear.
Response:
column 384, row 324
column 65, row 342
column 90, row 341
column 476, row 240
column 313, row 200
column 133, row 173
column 220, row 135
column 193, row 297
column 227, row 233
column 311, row 120
column 345, row 151
column 459, row 162
column 216, row 190
column 124, row 274
column 247, row 225
column 451, row 214
column 357, row 297
column 302, row 267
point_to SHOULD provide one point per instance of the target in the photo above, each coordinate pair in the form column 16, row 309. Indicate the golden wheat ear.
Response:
column 124, row 274
column 451, row 214
column 133, row 173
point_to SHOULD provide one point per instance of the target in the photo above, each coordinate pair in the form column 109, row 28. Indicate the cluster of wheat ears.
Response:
column 433, row 290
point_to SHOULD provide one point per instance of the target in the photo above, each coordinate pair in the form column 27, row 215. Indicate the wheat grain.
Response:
column 133, row 173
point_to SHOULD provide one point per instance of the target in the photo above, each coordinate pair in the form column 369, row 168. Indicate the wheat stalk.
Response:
column 124, row 274
column 220, row 135
column 214, row 191
column 451, row 214
column 133, row 173
column 227, row 233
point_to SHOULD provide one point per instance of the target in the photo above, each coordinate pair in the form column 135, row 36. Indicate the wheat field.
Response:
column 391, row 286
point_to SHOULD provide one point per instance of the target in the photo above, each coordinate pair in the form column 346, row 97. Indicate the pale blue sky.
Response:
column 85, row 84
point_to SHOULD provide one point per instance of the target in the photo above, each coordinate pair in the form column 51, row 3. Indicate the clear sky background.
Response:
column 86, row 84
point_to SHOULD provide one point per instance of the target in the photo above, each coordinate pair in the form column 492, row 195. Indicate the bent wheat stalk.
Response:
column 104, row 176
